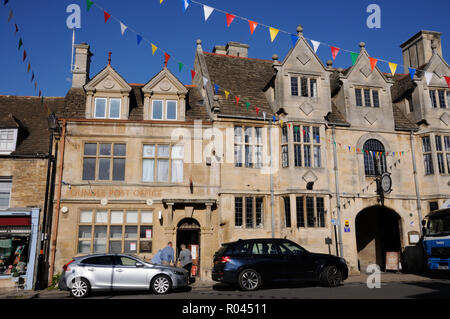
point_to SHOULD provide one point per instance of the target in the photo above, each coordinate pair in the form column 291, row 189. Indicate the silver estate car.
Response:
column 114, row 272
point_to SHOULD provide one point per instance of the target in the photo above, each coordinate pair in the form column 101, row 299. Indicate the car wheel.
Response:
column 80, row 288
column 331, row 276
column 161, row 284
column 249, row 280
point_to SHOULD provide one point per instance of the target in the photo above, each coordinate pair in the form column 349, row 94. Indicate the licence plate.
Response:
column 442, row 267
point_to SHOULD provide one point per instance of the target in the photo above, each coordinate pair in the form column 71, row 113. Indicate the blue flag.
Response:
column 216, row 88
column 274, row 118
column 139, row 39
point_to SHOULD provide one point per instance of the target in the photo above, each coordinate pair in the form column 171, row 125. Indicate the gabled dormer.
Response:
column 364, row 96
column 107, row 96
column 302, row 85
column 164, row 98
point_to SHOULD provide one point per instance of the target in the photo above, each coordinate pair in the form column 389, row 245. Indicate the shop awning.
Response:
column 15, row 221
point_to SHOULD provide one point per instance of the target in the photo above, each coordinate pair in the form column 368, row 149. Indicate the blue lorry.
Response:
column 436, row 239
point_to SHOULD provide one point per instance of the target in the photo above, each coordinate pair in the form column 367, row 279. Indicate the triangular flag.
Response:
column 428, row 76
column 334, row 52
column 205, row 81
column 216, row 88
column 281, row 123
column 393, row 67
column 17, row 29
column 29, row 67
column 264, row 115
column 373, row 62
column 35, row 85
column 32, row 76
column 20, row 43
column 180, row 66
column 40, row 93
column 207, row 11
column 185, row 4
column 166, row 58
column 154, row 48
column 354, row 57
column 123, row 27
column 230, row 19
column 289, row 124
column 139, row 39
column 253, row 25
column 193, row 74
column 247, row 105
column 226, row 94
column 447, row 79
column 5, row 2
column 257, row 111
column 161, row 1
column 412, row 72
column 89, row 3
column 273, row 33
column 315, row 45
column 274, row 119
column 294, row 40
column 10, row 15
column 24, row 55
column 106, row 15
column 237, row 100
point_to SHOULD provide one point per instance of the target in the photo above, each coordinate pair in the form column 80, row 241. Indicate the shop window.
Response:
column 14, row 253
column 115, row 231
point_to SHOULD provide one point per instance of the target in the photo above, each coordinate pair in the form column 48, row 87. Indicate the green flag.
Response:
column 354, row 57
column 20, row 43
column 89, row 4
column 180, row 66
column 247, row 105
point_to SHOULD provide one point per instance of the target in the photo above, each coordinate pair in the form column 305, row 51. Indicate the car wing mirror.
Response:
column 139, row 265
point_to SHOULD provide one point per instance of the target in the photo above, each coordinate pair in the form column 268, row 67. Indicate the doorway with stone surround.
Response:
column 188, row 233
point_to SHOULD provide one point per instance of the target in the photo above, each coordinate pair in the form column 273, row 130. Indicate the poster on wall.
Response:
column 194, row 251
column 148, row 233
column 132, row 246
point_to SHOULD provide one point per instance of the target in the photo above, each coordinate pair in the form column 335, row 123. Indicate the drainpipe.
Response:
column 58, row 204
column 271, row 180
column 338, row 198
column 416, row 182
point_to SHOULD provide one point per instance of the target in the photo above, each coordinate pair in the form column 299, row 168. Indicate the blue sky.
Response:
column 42, row 26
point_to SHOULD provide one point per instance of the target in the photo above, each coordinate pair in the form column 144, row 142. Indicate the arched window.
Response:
column 372, row 159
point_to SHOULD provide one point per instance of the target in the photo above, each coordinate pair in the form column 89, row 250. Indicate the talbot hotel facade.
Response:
column 139, row 165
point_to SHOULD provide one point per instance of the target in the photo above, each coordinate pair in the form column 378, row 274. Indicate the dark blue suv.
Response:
column 251, row 262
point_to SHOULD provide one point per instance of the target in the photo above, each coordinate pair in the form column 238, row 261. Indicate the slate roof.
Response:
column 243, row 77
column 28, row 115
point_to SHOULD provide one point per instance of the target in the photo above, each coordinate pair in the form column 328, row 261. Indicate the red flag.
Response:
column 237, row 100
column 447, row 78
column 289, row 124
column 193, row 74
column 230, row 19
column 166, row 58
column 257, row 110
column 24, row 55
column 107, row 15
column 252, row 26
column 373, row 62
column 334, row 52
column 40, row 93
column 17, row 29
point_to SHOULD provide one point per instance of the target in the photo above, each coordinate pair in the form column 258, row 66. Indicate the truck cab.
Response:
column 436, row 239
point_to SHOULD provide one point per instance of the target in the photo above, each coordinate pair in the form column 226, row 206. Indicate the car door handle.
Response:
column 91, row 269
column 119, row 270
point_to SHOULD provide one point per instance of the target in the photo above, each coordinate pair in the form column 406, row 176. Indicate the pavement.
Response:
column 386, row 277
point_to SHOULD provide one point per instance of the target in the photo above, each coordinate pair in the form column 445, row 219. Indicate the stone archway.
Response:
column 188, row 233
column 378, row 230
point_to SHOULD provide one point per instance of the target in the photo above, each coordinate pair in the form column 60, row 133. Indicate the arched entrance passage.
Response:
column 377, row 231
column 188, row 233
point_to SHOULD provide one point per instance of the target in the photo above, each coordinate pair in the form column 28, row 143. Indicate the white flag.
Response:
column 428, row 76
column 264, row 115
column 186, row 4
column 207, row 10
column 123, row 27
column 205, row 80
column 315, row 45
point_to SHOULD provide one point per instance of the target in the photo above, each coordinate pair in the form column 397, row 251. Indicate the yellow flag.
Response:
column 154, row 48
column 226, row 94
column 161, row 1
column 273, row 33
column 393, row 67
column 281, row 123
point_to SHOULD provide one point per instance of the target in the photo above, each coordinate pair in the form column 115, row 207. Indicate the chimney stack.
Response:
column 80, row 73
column 419, row 49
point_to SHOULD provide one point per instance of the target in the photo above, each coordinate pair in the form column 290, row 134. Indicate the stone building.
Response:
column 144, row 164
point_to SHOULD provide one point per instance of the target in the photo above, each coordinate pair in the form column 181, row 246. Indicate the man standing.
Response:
column 167, row 255
column 185, row 258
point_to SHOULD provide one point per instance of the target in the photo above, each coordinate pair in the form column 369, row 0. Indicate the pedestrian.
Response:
column 185, row 258
column 167, row 255
column 157, row 258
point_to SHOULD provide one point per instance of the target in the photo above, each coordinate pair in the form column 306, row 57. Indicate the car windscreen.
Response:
column 438, row 226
